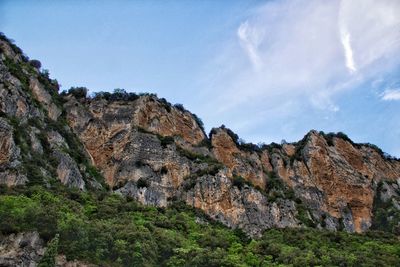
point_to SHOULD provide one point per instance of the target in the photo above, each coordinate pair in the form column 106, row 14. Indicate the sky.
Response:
column 269, row 70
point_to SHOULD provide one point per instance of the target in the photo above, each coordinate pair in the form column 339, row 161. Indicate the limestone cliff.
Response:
column 27, row 249
column 36, row 144
column 158, row 153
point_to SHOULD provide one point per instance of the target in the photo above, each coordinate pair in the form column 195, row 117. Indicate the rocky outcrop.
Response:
column 160, row 117
column 21, row 250
column 334, row 182
column 32, row 145
column 44, row 98
column 9, row 157
column 120, row 127
column 26, row 249
column 158, row 153
column 68, row 171
column 247, row 164
column 156, row 169
column 240, row 207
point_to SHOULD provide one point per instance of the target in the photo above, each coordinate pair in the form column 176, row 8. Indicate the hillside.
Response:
column 129, row 179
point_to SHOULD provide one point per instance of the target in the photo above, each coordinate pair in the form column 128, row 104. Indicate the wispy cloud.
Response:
column 348, row 52
column 345, row 37
column 250, row 39
column 392, row 94
column 303, row 52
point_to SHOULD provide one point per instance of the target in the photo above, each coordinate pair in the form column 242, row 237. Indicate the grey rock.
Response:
column 21, row 250
column 68, row 171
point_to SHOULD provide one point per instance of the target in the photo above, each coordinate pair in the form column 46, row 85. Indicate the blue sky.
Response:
column 269, row 70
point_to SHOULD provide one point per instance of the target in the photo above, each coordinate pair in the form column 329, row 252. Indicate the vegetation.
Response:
column 142, row 182
column 117, row 95
column 49, row 257
column 35, row 63
column 239, row 181
column 78, row 92
column 329, row 139
column 386, row 216
column 15, row 48
column 196, row 157
column 107, row 229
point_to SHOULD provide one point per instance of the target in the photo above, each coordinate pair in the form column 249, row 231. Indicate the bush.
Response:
column 108, row 230
column 238, row 181
column 199, row 122
column 49, row 257
column 142, row 182
column 180, row 107
column 117, row 95
column 166, row 140
column 35, row 63
column 78, row 92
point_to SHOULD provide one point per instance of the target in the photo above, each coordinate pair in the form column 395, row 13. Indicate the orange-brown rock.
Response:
column 161, row 118
column 156, row 153
column 249, row 165
column 342, row 177
column 115, row 124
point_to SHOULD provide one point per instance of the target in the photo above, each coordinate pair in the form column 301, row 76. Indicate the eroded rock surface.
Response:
column 158, row 153
column 21, row 250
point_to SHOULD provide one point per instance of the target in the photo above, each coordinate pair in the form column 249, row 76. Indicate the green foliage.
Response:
column 142, row 182
column 197, row 157
column 239, row 181
column 276, row 188
column 205, row 143
column 117, row 95
column 299, row 149
column 35, row 63
column 385, row 217
column 78, row 92
column 17, row 71
column 109, row 230
column 15, row 48
column 189, row 183
column 166, row 140
column 304, row 216
column 329, row 139
column 49, row 257
column 199, row 122
column 180, row 107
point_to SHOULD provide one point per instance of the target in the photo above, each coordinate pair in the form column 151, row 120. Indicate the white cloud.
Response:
column 348, row 52
column 250, row 39
column 392, row 94
column 302, row 52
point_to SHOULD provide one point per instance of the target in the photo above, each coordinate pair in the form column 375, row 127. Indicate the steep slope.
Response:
column 323, row 180
column 158, row 154
column 149, row 157
column 36, row 143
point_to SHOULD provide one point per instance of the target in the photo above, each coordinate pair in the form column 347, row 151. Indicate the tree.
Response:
column 35, row 63
column 78, row 92
column 48, row 259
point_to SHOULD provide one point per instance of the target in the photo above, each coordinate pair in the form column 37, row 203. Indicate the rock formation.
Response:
column 144, row 147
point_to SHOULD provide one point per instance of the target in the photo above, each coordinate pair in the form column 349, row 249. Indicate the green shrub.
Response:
column 109, row 230
column 78, row 92
column 239, row 181
column 166, row 140
column 49, row 257
column 142, row 182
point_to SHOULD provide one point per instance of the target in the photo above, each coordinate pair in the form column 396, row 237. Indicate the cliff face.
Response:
column 334, row 183
column 36, row 144
column 27, row 249
column 158, row 153
column 337, row 182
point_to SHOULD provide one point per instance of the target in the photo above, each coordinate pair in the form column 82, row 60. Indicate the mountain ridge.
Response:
column 148, row 150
